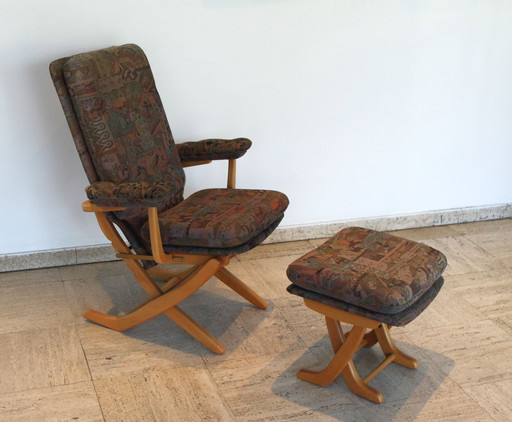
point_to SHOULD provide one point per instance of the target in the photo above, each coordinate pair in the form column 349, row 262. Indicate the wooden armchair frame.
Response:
column 178, row 285
column 346, row 345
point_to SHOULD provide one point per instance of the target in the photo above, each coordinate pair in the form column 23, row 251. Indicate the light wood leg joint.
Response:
column 345, row 347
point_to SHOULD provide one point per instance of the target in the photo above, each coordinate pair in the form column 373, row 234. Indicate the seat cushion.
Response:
column 220, row 218
column 370, row 269
column 398, row 320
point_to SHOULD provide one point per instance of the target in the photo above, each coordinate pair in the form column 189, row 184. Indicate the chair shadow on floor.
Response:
column 405, row 391
column 222, row 312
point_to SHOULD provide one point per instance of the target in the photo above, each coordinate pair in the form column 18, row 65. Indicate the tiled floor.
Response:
column 55, row 366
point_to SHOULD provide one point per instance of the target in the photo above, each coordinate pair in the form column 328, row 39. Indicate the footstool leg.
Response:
column 350, row 375
column 370, row 339
column 389, row 348
column 341, row 358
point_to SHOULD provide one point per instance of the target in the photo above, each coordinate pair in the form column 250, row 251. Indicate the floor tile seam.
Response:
column 470, row 398
column 45, row 387
column 498, row 270
column 424, row 330
column 476, row 401
column 149, row 371
column 225, row 401
column 84, row 354
column 21, row 284
column 500, row 322
column 490, row 287
column 219, row 361
column 213, row 364
column 506, row 264
column 125, row 277
column 270, row 358
column 448, row 273
column 69, row 299
column 503, row 342
column 70, row 268
column 93, row 383
column 479, row 383
column 468, row 238
column 38, row 330
column 295, row 332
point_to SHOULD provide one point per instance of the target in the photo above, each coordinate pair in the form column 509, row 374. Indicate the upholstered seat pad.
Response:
column 220, row 218
column 398, row 320
column 370, row 269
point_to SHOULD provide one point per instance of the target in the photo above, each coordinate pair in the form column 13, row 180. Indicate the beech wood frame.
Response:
column 345, row 346
column 178, row 285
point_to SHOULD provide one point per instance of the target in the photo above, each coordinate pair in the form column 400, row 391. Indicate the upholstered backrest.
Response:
column 117, row 121
column 74, row 127
column 121, row 116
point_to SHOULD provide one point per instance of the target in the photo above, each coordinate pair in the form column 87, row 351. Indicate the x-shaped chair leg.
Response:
column 166, row 302
column 178, row 286
column 345, row 347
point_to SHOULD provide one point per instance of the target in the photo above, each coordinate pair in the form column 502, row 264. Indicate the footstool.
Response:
column 372, row 281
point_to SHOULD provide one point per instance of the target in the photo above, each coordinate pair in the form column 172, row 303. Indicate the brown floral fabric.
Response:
column 213, row 149
column 235, row 250
column 132, row 193
column 120, row 130
column 398, row 320
column 370, row 269
column 118, row 123
column 65, row 101
column 220, row 218
column 121, row 116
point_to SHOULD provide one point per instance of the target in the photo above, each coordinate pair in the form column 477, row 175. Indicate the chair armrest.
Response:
column 131, row 194
column 213, row 149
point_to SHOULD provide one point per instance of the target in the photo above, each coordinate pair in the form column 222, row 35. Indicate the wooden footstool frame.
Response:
column 372, row 281
column 346, row 345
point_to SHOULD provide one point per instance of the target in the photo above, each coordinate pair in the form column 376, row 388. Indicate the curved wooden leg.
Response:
column 194, row 329
column 161, row 303
column 234, row 283
column 358, row 386
column 389, row 348
column 350, row 375
column 369, row 339
column 341, row 358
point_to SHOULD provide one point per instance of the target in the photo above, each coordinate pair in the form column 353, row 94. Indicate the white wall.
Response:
column 356, row 108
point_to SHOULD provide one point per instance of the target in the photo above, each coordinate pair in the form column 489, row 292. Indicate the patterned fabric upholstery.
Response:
column 120, row 113
column 399, row 319
column 220, row 218
column 57, row 75
column 131, row 194
column 244, row 247
column 369, row 269
column 126, row 147
column 119, row 126
column 213, row 149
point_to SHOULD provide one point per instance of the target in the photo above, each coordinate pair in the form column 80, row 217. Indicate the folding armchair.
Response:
column 136, row 186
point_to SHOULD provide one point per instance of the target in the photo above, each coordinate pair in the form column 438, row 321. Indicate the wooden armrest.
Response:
column 231, row 170
column 195, row 163
column 89, row 206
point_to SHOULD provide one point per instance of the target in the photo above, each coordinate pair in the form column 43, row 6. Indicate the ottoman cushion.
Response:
column 398, row 320
column 369, row 269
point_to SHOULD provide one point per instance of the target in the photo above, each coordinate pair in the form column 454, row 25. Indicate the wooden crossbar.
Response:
column 178, row 285
column 345, row 347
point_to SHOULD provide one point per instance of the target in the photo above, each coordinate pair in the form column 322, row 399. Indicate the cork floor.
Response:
column 55, row 366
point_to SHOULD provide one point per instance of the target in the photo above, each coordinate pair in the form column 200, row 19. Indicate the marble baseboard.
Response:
column 104, row 252
column 393, row 222
column 57, row 258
